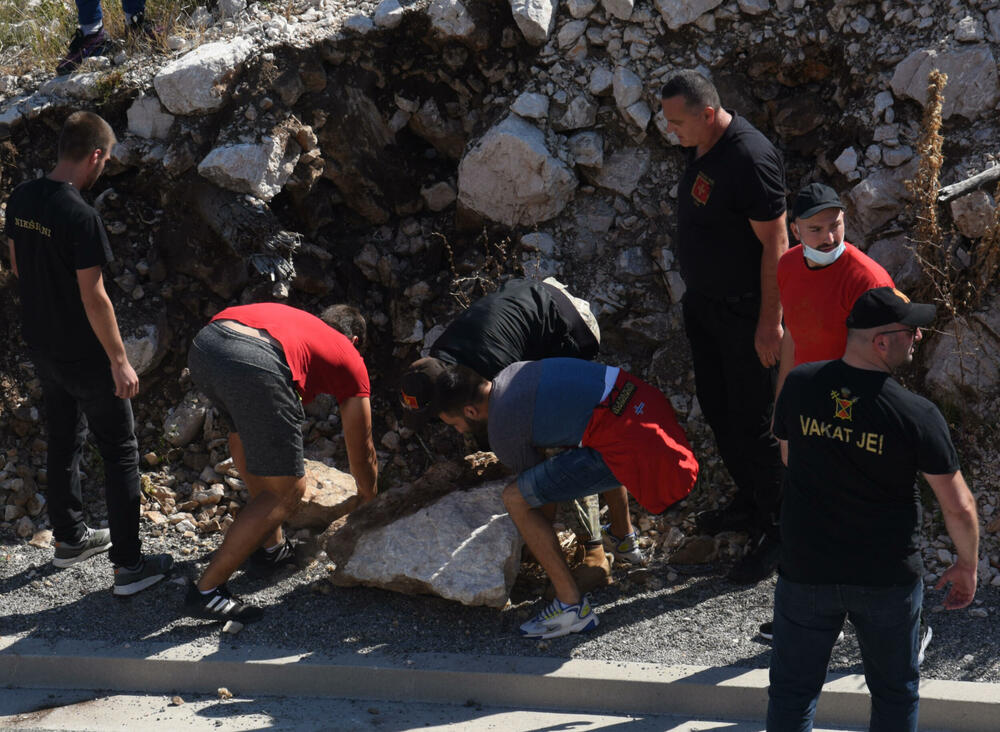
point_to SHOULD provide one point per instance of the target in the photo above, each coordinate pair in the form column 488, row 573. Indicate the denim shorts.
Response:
column 249, row 382
column 571, row 474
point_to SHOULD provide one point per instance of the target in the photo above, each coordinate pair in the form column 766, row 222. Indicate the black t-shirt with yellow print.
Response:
column 851, row 509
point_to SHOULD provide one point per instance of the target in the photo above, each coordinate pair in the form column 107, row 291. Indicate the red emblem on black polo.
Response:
column 702, row 189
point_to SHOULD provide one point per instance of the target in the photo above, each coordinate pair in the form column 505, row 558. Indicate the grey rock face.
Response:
column 621, row 171
column 535, row 18
column 880, row 197
column 183, row 423
column 973, row 213
column 972, row 89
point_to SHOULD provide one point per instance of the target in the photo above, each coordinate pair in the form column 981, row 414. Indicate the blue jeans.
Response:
column 807, row 620
column 564, row 477
column 79, row 394
column 88, row 12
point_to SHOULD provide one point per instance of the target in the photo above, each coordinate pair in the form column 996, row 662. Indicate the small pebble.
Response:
column 176, row 701
column 232, row 627
column 224, row 693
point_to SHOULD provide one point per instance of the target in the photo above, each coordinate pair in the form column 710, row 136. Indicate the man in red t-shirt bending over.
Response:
column 259, row 364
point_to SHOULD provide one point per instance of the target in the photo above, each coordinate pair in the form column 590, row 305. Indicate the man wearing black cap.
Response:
column 820, row 280
column 620, row 431
column 853, row 440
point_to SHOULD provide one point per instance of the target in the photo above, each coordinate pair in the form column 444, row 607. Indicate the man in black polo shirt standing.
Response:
column 57, row 248
column 854, row 440
column 731, row 233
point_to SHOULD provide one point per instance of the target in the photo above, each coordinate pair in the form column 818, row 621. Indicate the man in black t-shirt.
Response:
column 854, row 440
column 730, row 235
column 526, row 320
column 57, row 247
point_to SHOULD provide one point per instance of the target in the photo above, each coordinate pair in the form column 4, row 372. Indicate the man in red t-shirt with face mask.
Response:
column 819, row 280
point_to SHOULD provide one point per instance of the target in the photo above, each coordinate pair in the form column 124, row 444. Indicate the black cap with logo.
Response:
column 885, row 305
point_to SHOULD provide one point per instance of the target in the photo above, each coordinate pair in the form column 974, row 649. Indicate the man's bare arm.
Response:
column 962, row 523
column 356, row 417
column 13, row 259
column 773, row 237
column 101, row 314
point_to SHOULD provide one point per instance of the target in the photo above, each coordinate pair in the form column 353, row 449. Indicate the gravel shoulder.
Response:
column 663, row 616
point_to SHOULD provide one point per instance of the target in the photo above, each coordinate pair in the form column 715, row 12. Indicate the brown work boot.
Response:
column 592, row 573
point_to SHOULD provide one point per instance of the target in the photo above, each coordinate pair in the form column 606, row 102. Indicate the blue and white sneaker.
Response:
column 626, row 550
column 557, row 619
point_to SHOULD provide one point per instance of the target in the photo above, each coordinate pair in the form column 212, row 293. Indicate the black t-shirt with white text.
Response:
column 522, row 321
column 55, row 233
column 851, row 509
column 740, row 178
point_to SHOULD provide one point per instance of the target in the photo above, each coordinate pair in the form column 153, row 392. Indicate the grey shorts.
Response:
column 250, row 384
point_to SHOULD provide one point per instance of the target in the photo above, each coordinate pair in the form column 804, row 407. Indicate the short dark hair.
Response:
column 82, row 133
column 698, row 92
column 348, row 320
column 457, row 387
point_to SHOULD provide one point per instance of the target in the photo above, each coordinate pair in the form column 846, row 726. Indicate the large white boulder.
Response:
column 972, row 88
column 511, row 177
column 450, row 19
column 535, row 18
column 146, row 118
column 260, row 169
column 199, row 81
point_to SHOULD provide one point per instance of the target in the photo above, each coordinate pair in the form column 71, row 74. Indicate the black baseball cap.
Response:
column 885, row 305
column 814, row 198
column 418, row 388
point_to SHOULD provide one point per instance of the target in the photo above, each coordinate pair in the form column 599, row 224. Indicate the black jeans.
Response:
column 79, row 394
column 736, row 394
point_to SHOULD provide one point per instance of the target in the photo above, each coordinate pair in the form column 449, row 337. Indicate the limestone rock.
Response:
column 621, row 171
column 964, row 359
column 678, row 13
column 146, row 118
column 973, row 213
column 231, row 8
column 439, row 196
column 183, row 423
column 146, row 347
column 754, row 7
column 880, row 197
column 621, row 9
column 535, row 18
column 260, row 169
column 429, row 537
column 587, row 149
column 198, row 81
column 601, row 81
column 972, row 89
column 446, row 135
column 847, row 160
column 78, row 86
column 638, row 114
column 330, row 494
column 579, row 113
column 896, row 255
column 450, row 19
column 388, row 14
column 531, row 106
column 580, row 8
column 510, row 176
column 627, row 88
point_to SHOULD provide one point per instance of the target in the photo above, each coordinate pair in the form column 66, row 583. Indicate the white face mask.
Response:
column 823, row 258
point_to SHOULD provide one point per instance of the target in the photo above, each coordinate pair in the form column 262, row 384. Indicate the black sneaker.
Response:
column 151, row 570
column 94, row 542
column 137, row 27
column 219, row 605
column 264, row 560
column 759, row 564
column 83, row 46
column 717, row 520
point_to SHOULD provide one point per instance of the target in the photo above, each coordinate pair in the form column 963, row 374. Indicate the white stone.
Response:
column 439, row 196
column 993, row 20
column 260, row 169
column 580, row 112
column 359, row 23
column 535, row 18
column 675, row 286
column 627, row 88
column 678, row 13
column 880, row 197
column 511, row 177
column 587, row 148
column 463, row 547
column 896, row 156
column 847, row 160
column 78, row 86
column 973, row 213
column 198, row 81
column 231, row 8
column 621, row 9
column 883, row 100
column 639, row 114
column 146, row 118
column 601, row 81
column 141, row 349
column 580, row 8
column 183, row 422
column 754, row 7
column 969, row 30
column 972, row 87
column 570, row 32
column 538, row 241
column 621, row 171
column 531, row 105
column 388, row 14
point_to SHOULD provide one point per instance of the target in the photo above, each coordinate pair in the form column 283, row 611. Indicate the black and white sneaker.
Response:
column 264, row 560
column 151, row 570
column 219, row 604
column 95, row 541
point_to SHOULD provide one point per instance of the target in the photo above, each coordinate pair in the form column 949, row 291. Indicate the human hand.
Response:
column 963, row 586
column 767, row 342
column 126, row 380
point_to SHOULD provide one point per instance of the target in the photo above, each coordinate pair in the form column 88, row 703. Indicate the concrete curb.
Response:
column 528, row 683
